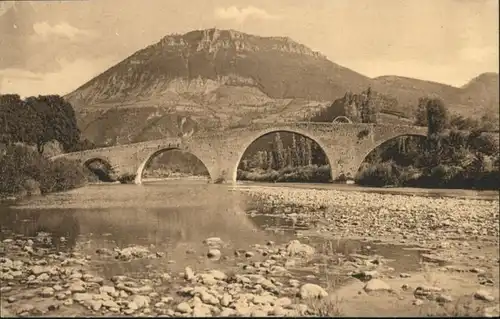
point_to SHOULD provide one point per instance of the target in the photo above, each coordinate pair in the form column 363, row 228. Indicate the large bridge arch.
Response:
column 151, row 155
column 379, row 143
column 247, row 141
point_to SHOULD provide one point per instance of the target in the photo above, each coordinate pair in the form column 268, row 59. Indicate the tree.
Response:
column 368, row 112
column 290, row 155
column 61, row 118
column 301, row 147
column 278, row 152
column 421, row 112
column 38, row 120
column 270, row 160
column 459, row 122
column 296, row 152
column 437, row 116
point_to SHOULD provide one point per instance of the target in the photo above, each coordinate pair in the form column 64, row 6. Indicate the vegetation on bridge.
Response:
column 27, row 126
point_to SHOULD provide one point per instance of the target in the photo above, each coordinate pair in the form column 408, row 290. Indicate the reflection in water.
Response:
column 172, row 217
column 62, row 227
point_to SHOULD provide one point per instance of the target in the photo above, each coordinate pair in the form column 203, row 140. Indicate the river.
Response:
column 173, row 218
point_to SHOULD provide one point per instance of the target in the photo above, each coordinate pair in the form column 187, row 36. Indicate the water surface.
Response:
column 171, row 217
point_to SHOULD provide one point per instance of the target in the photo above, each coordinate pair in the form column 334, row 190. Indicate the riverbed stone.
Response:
column 201, row 310
column 214, row 254
column 25, row 308
column 107, row 289
column 294, row 248
column 217, row 274
column 482, row 294
column 213, row 241
column 77, row 287
column 376, row 285
column 312, row 291
column 425, row 291
column 188, row 273
column 183, row 307
column 47, row 292
column 79, row 297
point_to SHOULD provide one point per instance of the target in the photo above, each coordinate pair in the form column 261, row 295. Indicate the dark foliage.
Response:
column 361, row 107
column 455, row 159
column 37, row 121
column 23, row 169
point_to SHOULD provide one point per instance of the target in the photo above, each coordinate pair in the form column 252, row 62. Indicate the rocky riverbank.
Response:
column 312, row 273
column 407, row 219
column 254, row 282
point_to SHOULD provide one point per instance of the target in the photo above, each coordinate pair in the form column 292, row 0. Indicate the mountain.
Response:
column 219, row 78
column 482, row 89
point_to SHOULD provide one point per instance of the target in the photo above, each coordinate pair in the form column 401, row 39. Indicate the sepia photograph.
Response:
column 249, row 158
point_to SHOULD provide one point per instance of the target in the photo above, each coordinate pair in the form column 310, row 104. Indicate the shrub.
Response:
column 410, row 176
column 63, row 174
column 127, row 178
column 382, row 174
column 23, row 170
column 311, row 173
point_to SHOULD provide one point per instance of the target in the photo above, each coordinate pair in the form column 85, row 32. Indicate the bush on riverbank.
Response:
column 127, row 178
column 310, row 173
column 24, row 171
column 439, row 176
column 452, row 159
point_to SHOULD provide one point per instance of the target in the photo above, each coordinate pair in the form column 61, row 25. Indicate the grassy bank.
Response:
column 439, row 176
column 306, row 174
column 475, row 175
column 24, row 172
column 170, row 173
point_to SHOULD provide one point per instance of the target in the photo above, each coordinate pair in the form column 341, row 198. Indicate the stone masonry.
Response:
column 345, row 144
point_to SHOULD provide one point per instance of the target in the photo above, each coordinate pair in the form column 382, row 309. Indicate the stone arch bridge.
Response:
column 345, row 144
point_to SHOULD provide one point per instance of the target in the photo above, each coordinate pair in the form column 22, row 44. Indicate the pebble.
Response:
column 183, row 307
column 47, row 292
column 295, row 248
column 312, row 291
column 376, row 285
column 25, row 308
column 214, row 254
column 188, row 273
column 77, row 287
column 444, row 298
column 107, row 289
column 213, row 241
column 418, row 302
column 484, row 295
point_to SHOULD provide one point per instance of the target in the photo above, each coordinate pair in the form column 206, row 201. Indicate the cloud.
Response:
column 62, row 29
column 71, row 76
column 240, row 15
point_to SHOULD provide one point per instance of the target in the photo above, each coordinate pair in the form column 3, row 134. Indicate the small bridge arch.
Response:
column 342, row 119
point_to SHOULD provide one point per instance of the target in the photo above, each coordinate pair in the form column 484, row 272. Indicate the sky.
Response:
column 53, row 47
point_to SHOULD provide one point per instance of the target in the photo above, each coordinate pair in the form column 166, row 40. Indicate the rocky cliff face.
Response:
column 182, row 68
